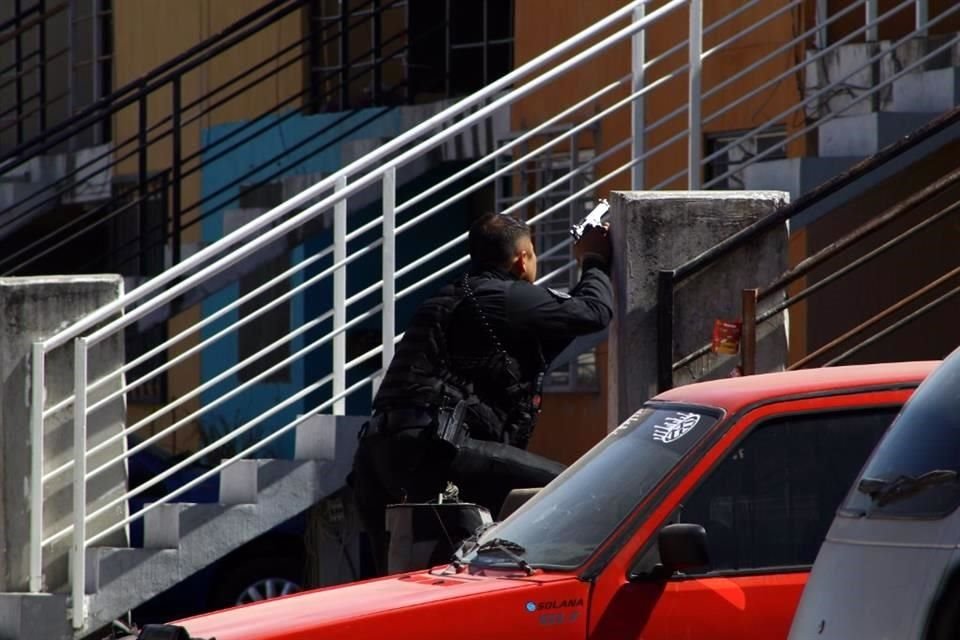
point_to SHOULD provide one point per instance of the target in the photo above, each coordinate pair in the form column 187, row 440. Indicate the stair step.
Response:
column 864, row 135
column 150, row 569
column 842, row 60
column 206, row 532
column 931, row 91
column 795, row 175
column 238, row 483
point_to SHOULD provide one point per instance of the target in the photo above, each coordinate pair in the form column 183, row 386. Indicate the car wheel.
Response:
column 252, row 580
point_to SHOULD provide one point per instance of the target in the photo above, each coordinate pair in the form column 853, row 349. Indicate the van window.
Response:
column 924, row 439
column 771, row 501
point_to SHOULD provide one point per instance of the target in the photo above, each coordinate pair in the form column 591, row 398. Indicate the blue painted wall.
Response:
column 300, row 145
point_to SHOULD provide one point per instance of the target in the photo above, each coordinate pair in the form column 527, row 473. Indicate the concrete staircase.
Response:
column 183, row 538
column 861, row 129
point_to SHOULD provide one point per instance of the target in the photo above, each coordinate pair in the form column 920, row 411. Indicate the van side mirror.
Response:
column 514, row 500
column 683, row 546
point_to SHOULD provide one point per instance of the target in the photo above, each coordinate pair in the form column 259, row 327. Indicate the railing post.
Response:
column 748, row 332
column 637, row 106
column 78, row 548
column 42, row 65
column 377, row 53
column 821, row 15
column 71, row 68
column 95, row 66
column 177, row 153
column 340, row 298
column 923, row 16
column 142, row 169
column 873, row 29
column 18, row 68
column 665, row 330
column 37, row 388
column 344, row 56
column 389, row 264
column 694, row 141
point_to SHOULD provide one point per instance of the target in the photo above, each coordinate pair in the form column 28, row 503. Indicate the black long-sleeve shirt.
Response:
column 531, row 320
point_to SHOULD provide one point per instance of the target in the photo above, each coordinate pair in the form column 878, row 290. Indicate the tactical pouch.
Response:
column 450, row 427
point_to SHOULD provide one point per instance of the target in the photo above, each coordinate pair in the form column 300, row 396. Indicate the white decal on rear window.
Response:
column 675, row 427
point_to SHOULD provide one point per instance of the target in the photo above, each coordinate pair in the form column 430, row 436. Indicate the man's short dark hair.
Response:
column 493, row 239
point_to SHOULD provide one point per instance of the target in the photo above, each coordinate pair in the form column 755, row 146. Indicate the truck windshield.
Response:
column 913, row 471
column 563, row 524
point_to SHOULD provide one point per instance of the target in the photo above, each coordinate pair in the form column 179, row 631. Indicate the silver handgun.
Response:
column 593, row 219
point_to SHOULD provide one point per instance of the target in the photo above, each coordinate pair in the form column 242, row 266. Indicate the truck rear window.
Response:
column 914, row 471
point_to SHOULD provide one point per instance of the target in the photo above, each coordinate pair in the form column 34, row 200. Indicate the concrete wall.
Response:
column 32, row 309
column 661, row 230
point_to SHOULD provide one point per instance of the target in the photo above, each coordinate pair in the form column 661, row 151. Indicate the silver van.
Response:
column 890, row 565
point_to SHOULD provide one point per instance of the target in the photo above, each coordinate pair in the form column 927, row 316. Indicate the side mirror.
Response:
column 683, row 546
column 514, row 500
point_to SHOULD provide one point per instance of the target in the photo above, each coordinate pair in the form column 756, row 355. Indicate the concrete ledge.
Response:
column 34, row 615
column 33, row 309
column 653, row 230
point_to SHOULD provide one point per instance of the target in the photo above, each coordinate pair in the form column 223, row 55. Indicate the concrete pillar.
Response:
column 32, row 309
column 655, row 230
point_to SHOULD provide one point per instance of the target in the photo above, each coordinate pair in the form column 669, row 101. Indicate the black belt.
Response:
column 401, row 420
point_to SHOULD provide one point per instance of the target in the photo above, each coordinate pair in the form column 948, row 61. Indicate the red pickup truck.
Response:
column 699, row 517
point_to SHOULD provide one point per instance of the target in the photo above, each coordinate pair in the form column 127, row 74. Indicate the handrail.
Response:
column 92, row 112
column 401, row 141
column 49, row 13
column 565, row 182
column 818, row 194
column 207, row 108
column 104, row 212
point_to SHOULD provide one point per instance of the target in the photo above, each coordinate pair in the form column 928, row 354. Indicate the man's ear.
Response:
column 518, row 266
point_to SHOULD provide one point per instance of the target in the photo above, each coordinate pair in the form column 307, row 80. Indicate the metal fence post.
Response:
column 36, row 467
column 78, row 548
column 694, row 141
column 18, row 59
column 923, row 16
column 340, row 299
column 142, row 171
column 389, row 264
column 821, row 15
column 637, row 106
column 175, row 164
column 873, row 29
column 665, row 330
column 748, row 334
column 42, row 66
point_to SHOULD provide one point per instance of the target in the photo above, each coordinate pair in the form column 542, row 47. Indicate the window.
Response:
column 368, row 66
column 480, row 43
column 925, row 438
column 380, row 52
column 771, row 501
column 742, row 149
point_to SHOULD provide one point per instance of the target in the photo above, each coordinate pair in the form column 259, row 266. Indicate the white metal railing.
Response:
column 378, row 171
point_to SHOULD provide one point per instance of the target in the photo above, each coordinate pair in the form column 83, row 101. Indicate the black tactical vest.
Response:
column 502, row 404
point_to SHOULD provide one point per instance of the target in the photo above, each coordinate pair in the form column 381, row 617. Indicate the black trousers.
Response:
column 411, row 466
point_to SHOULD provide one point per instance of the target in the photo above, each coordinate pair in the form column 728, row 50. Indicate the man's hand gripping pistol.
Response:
column 593, row 219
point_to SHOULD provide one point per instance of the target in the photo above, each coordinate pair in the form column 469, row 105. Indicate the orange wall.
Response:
column 147, row 33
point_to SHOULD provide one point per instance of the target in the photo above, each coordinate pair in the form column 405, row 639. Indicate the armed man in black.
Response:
column 461, row 396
